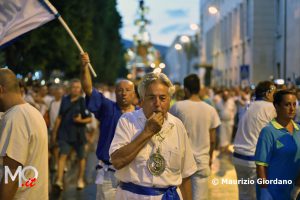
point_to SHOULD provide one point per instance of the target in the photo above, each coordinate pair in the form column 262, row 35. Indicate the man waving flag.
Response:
column 20, row 16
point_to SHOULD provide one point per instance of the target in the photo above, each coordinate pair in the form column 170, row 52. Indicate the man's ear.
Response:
column 268, row 93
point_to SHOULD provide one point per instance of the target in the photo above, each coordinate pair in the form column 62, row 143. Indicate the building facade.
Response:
column 247, row 41
column 182, row 58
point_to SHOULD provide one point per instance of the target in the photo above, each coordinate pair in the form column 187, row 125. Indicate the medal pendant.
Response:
column 156, row 164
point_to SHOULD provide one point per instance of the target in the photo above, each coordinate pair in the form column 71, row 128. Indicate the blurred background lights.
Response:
column 56, row 80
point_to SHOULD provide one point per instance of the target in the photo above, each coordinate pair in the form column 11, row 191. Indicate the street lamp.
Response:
column 194, row 27
column 178, row 47
column 162, row 65
column 187, row 45
column 184, row 39
column 213, row 10
column 159, row 68
column 196, row 39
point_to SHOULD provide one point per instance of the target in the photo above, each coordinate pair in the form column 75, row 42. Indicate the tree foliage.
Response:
column 96, row 25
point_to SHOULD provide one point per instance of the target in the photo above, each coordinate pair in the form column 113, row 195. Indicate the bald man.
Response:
column 108, row 113
column 23, row 144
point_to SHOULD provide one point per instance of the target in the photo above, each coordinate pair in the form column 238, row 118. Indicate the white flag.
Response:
column 20, row 16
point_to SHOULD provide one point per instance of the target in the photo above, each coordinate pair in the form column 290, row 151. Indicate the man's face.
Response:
column 156, row 99
column 76, row 89
column 58, row 93
column 44, row 90
column 287, row 107
column 125, row 93
column 225, row 95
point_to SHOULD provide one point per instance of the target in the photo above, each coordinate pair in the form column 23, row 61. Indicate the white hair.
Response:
column 153, row 77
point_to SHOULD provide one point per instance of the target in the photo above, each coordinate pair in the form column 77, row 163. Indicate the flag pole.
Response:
column 65, row 25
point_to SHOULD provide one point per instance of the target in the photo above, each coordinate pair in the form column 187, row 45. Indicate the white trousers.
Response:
column 225, row 133
column 200, row 185
column 107, row 190
column 246, row 191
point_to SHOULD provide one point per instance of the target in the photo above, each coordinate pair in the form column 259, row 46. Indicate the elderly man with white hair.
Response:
column 150, row 149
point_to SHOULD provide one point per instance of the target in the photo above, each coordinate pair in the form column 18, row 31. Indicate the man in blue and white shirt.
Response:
column 260, row 112
column 108, row 113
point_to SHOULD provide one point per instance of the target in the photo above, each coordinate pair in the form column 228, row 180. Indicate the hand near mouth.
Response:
column 154, row 123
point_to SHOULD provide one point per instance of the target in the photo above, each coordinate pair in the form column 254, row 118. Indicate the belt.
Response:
column 243, row 157
column 169, row 193
column 105, row 162
column 108, row 169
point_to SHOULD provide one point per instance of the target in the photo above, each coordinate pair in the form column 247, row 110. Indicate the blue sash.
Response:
column 259, row 99
column 243, row 157
column 169, row 193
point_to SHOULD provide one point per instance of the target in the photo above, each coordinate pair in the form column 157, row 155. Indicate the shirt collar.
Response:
column 279, row 126
column 141, row 115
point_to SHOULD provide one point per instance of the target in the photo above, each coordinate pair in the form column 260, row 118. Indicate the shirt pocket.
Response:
column 173, row 159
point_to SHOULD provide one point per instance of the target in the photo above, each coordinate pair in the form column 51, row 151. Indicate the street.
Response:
column 222, row 168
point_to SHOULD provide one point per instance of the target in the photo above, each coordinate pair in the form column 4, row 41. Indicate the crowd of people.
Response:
column 155, row 140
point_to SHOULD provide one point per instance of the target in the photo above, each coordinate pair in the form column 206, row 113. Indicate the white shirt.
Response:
column 48, row 99
column 256, row 117
column 227, row 110
column 23, row 137
column 53, row 112
column 29, row 99
column 198, row 118
column 45, row 106
column 175, row 149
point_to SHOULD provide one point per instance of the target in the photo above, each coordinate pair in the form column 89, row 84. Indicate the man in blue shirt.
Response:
column 69, row 129
column 108, row 113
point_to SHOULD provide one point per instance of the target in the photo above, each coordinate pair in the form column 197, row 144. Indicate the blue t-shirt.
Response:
column 279, row 151
column 108, row 113
column 70, row 131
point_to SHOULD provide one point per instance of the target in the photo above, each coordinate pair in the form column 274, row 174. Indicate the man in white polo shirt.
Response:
column 23, row 144
column 260, row 112
column 150, row 149
column 200, row 120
